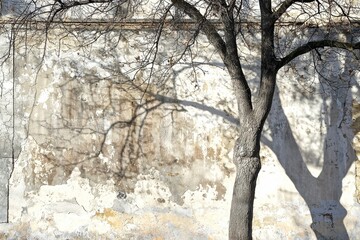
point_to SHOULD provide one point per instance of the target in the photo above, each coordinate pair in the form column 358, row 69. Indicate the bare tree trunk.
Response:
column 328, row 221
column 247, row 161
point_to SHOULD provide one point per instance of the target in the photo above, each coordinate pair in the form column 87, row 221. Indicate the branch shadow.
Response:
column 322, row 194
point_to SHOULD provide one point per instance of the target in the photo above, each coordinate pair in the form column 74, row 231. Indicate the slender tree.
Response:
column 222, row 21
column 253, row 110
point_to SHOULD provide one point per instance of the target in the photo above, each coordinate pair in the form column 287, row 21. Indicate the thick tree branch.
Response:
column 314, row 45
column 232, row 5
column 232, row 61
column 263, row 101
column 227, row 49
column 70, row 4
column 50, row 10
column 206, row 26
column 265, row 7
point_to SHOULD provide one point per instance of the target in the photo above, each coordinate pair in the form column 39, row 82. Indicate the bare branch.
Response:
column 286, row 5
column 206, row 26
column 314, row 45
column 232, row 5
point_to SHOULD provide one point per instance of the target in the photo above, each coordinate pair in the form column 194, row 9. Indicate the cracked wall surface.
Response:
column 98, row 158
column 356, row 128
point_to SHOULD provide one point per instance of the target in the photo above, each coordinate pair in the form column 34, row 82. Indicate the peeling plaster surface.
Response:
column 356, row 128
column 101, row 160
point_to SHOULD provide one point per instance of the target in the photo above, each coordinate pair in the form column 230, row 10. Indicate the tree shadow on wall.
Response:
column 101, row 124
column 14, row 7
column 99, row 128
column 322, row 193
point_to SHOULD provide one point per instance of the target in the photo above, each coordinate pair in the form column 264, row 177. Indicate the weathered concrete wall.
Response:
column 7, row 145
column 4, row 179
column 100, row 159
column 356, row 127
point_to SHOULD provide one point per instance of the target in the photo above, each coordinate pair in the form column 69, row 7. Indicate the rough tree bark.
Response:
column 247, row 147
column 252, row 114
column 247, row 161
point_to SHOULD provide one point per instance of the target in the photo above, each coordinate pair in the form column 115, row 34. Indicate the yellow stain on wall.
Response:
column 113, row 218
column 158, row 238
